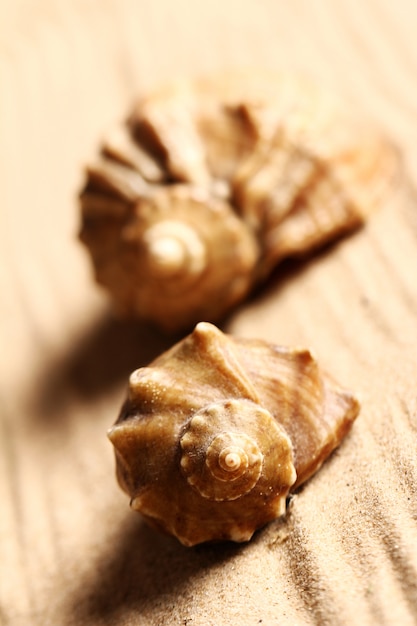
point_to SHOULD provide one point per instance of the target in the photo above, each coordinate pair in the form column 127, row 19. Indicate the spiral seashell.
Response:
column 242, row 171
column 217, row 431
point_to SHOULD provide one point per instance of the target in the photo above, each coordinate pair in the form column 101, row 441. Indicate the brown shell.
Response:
column 217, row 430
column 260, row 166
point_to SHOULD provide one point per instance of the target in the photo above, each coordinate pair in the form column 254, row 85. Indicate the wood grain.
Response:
column 71, row 552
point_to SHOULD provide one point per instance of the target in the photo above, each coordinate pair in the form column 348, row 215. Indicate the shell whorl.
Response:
column 226, row 447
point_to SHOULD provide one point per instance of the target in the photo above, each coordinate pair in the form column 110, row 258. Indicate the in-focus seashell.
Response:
column 255, row 167
column 217, row 430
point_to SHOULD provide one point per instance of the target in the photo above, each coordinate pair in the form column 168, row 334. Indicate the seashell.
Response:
column 211, row 183
column 218, row 430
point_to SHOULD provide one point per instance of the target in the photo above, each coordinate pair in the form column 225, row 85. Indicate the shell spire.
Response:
column 218, row 430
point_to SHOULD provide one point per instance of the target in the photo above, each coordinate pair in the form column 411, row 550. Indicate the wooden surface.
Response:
column 71, row 551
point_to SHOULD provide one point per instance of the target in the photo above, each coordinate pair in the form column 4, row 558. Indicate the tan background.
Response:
column 71, row 552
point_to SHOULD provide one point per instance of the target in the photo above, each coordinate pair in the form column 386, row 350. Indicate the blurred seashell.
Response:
column 216, row 431
column 257, row 167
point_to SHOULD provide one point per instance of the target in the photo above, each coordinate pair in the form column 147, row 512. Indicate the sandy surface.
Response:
column 72, row 552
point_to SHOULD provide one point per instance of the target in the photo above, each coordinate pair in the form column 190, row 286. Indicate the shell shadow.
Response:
column 110, row 352
column 112, row 348
column 99, row 361
column 289, row 270
column 141, row 570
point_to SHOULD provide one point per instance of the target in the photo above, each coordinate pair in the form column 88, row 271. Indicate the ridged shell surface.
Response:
column 211, row 183
column 218, row 430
